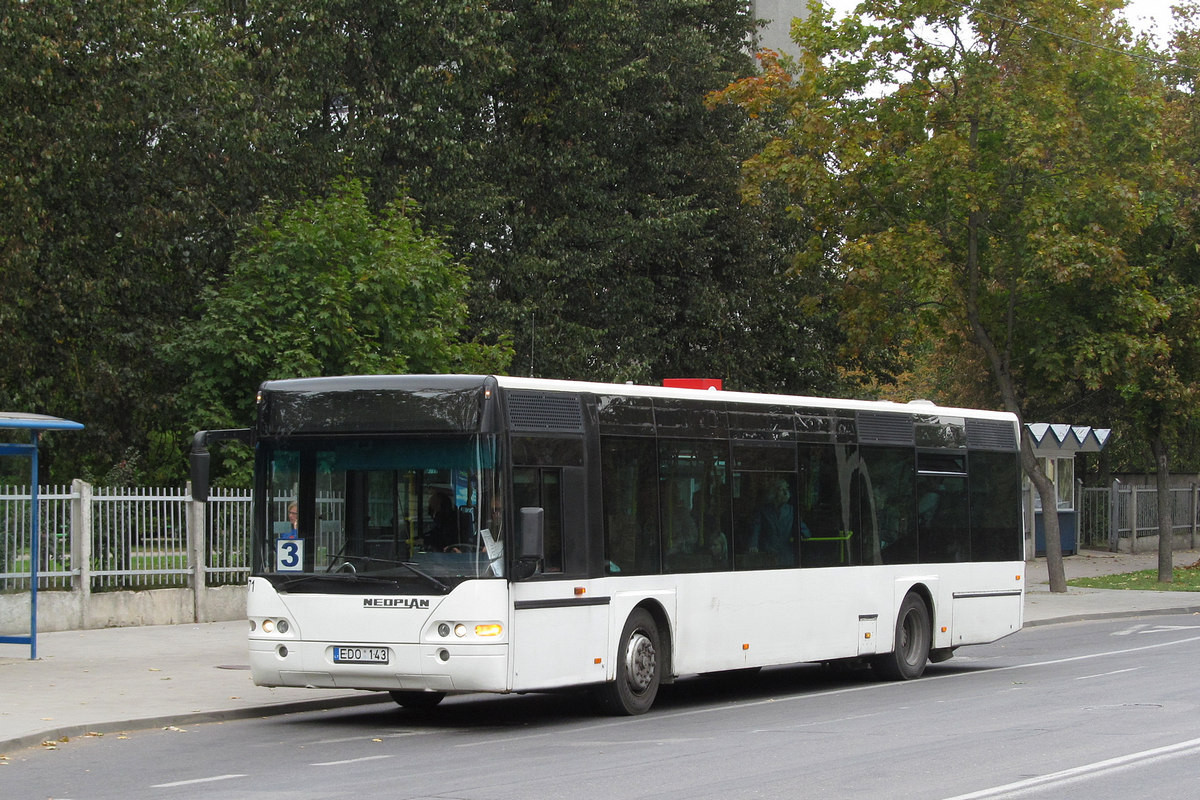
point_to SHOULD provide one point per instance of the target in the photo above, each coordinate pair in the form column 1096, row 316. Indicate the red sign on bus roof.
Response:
column 693, row 383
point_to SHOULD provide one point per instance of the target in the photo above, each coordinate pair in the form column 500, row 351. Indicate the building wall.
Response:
column 776, row 35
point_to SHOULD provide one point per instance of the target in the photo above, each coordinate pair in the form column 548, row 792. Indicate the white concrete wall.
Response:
column 76, row 610
column 776, row 35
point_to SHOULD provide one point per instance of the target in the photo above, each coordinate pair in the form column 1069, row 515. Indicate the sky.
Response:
column 1142, row 14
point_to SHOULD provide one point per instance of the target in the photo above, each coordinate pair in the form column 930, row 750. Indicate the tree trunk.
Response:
column 1166, row 524
column 1005, row 382
column 1045, row 489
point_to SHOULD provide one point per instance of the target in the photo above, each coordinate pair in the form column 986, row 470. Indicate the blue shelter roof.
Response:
column 37, row 422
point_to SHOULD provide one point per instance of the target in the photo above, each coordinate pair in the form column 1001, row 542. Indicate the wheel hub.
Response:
column 640, row 662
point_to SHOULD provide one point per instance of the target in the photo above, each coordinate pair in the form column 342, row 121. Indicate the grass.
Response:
column 1187, row 579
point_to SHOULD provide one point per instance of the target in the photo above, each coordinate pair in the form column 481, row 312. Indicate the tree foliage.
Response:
column 117, row 126
column 329, row 288
column 560, row 149
column 620, row 251
column 988, row 172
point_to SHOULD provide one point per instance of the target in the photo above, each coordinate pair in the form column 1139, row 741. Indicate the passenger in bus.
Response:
column 292, row 529
column 681, row 528
column 774, row 522
column 719, row 547
column 442, row 532
column 927, row 506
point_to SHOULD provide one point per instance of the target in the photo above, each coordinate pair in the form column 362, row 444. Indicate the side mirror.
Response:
column 529, row 556
column 200, row 457
column 532, row 526
column 200, row 475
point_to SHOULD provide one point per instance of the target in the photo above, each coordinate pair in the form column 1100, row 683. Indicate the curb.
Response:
column 1098, row 615
column 190, row 718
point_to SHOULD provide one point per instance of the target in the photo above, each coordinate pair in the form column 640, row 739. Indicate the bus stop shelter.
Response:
column 34, row 425
column 1056, row 447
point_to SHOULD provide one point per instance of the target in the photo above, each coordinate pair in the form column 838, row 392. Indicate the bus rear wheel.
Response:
column 908, row 659
column 639, row 667
column 417, row 701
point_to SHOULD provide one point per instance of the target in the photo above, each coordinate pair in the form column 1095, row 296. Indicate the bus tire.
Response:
column 417, row 701
column 639, row 667
column 912, row 643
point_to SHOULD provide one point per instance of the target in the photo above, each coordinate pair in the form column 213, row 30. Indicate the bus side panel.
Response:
column 558, row 645
column 751, row 619
column 980, row 618
column 735, row 620
column 979, row 603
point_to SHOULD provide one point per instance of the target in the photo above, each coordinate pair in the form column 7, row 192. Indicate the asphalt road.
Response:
column 1094, row 710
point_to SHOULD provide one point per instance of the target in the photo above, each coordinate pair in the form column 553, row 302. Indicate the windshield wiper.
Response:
column 338, row 577
column 353, row 575
column 422, row 574
column 408, row 565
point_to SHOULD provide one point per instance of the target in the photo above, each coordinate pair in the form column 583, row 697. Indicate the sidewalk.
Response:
column 1043, row 608
column 118, row 679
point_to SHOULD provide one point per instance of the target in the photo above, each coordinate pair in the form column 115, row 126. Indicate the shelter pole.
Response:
column 35, row 537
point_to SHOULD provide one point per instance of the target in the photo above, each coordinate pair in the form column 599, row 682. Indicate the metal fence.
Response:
column 54, row 542
column 137, row 538
column 1118, row 516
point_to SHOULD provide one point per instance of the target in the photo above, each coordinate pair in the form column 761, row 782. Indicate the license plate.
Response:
column 360, row 655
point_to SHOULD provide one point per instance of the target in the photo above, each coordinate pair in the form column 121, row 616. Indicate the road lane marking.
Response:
column 1106, row 674
column 1170, row 628
column 347, row 761
column 393, row 735
column 196, row 780
column 1085, row 771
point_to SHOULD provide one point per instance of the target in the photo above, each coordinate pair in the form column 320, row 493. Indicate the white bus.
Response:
column 436, row 534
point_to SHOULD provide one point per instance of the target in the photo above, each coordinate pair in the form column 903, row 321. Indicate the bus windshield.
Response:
column 350, row 514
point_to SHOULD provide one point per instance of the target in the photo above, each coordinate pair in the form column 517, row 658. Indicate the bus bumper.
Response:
column 443, row 668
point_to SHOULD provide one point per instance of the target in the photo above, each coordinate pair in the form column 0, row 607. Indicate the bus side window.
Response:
column 541, row 487
column 890, row 475
column 630, row 487
column 995, row 507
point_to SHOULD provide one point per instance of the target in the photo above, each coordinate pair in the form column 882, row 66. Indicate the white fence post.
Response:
column 1133, row 519
column 1195, row 496
column 81, row 545
column 1114, row 517
column 197, row 533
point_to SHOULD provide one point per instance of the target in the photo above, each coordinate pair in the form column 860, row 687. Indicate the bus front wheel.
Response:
column 907, row 660
column 639, row 667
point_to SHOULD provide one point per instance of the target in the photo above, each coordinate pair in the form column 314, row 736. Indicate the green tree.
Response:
column 131, row 155
column 1162, row 382
column 396, row 92
column 620, row 251
column 328, row 288
column 979, row 168
column 139, row 136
